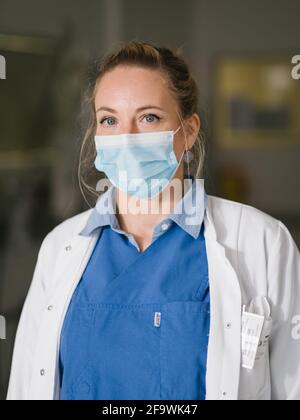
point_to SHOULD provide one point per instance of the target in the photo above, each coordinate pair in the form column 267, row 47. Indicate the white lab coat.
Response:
column 252, row 261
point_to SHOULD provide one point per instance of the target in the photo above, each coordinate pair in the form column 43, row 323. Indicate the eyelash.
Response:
column 147, row 115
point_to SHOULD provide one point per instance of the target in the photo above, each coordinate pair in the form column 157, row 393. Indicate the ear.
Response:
column 192, row 127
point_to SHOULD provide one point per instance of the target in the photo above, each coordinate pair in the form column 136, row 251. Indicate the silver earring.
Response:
column 188, row 156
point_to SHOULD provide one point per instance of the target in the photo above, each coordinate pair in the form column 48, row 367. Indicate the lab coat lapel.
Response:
column 72, row 260
column 223, row 367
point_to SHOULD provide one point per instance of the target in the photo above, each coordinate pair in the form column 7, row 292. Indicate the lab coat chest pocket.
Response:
column 255, row 381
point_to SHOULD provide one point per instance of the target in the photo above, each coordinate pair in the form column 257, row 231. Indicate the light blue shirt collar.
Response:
column 188, row 212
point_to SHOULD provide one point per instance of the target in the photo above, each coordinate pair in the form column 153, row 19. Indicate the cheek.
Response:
column 99, row 129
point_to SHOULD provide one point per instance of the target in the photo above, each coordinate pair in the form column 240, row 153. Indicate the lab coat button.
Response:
column 224, row 395
column 68, row 248
column 42, row 372
column 50, row 307
column 228, row 325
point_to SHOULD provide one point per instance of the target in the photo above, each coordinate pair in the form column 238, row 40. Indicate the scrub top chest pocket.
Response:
column 138, row 323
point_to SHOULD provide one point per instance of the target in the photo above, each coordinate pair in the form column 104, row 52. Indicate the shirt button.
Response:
column 164, row 226
column 42, row 372
column 68, row 248
column 228, row 325
column 50, row 307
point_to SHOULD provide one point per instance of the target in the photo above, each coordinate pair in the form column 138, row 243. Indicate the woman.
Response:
column 199, row 299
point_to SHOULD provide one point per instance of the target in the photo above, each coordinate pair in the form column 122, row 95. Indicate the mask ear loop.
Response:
column 186, row 148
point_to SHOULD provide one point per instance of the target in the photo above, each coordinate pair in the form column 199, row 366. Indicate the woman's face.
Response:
column 135, row 100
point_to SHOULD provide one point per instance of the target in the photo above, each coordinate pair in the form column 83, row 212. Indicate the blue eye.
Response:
column 107, row 119
column 152, row 117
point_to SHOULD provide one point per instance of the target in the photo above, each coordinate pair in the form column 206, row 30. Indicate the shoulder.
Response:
column 66, row 230
column 258, row 245
column 239, row 220
column 232, row 209
column 229, row 208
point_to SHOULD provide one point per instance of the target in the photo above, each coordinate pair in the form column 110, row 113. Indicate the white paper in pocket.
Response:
column 252, row 326
column 256, row 330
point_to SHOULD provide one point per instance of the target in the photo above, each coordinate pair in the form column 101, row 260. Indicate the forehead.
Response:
column 134, row 85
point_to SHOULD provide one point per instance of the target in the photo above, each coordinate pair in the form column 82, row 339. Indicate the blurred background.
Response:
column 240, row 53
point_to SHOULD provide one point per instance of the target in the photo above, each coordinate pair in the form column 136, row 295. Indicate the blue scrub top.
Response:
column 137, row 325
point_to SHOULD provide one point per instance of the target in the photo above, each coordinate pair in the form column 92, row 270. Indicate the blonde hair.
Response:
column 180, row 82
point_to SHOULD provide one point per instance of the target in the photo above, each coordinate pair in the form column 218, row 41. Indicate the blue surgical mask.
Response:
column 139, row 164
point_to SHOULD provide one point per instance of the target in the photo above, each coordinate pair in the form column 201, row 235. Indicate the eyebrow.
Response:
column 105, row 108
